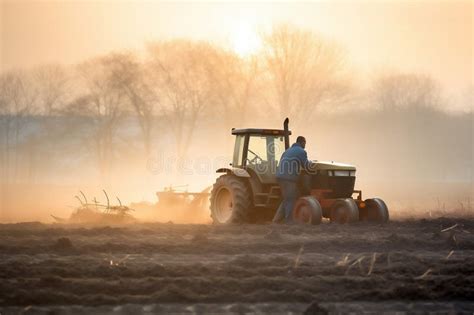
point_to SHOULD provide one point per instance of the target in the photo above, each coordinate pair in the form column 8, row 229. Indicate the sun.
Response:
column 245, row 40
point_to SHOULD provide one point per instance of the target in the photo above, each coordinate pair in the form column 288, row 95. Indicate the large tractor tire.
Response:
column 307, row 210
column 230, row 200
column 375, row 210
column 344, row 211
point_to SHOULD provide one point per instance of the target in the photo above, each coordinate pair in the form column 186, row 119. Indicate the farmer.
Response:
column 291, row 162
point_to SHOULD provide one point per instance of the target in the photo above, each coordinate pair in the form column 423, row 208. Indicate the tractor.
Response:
column 248, row 191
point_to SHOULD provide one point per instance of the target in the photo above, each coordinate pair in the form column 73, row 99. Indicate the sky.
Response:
column 431, row 37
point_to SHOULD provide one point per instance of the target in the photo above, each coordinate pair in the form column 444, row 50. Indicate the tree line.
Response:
column 167, row 89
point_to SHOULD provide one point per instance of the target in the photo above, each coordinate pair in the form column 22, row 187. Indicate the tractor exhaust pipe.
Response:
column 287, row 133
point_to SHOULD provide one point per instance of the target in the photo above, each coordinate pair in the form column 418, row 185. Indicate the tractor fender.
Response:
column 239, row 172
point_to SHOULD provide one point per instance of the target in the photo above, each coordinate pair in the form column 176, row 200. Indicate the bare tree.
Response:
column 304, row 70
column 234, row 85
column 132, row 79
column 105, row 101
column 53, row 91
column 180, row 70
column 17, row 102
column 53, row 85
column 401, row 91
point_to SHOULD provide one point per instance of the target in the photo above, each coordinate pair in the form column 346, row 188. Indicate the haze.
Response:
column 433, row 37
column 116, row 94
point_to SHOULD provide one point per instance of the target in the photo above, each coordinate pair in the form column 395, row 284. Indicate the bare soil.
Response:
column 408, row 266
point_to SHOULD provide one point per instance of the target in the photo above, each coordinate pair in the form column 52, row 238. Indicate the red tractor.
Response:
column 248, row 191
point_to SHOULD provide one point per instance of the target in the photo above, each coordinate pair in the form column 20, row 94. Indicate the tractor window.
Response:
column 238, row 151
column 278, row 148
column 264, row 152
column 257, row 149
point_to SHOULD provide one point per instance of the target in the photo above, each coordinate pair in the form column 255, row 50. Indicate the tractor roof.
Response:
column 258, row 131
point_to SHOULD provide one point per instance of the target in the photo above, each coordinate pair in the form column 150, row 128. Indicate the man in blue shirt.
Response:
column 291, row 162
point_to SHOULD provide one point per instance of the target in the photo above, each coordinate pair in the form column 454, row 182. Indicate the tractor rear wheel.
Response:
column 307, row 210
column 375, row 210
column 230, row 200
column 344, row 211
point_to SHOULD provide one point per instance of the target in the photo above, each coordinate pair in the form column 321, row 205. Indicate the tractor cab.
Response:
column 259, row 151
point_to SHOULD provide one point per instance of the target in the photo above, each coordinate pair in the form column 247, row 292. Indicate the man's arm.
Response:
column 307, row 165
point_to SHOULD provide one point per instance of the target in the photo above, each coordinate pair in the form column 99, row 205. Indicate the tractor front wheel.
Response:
column 375, row 210
column 230, row 200
column 307, row 210
column 344, row 211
